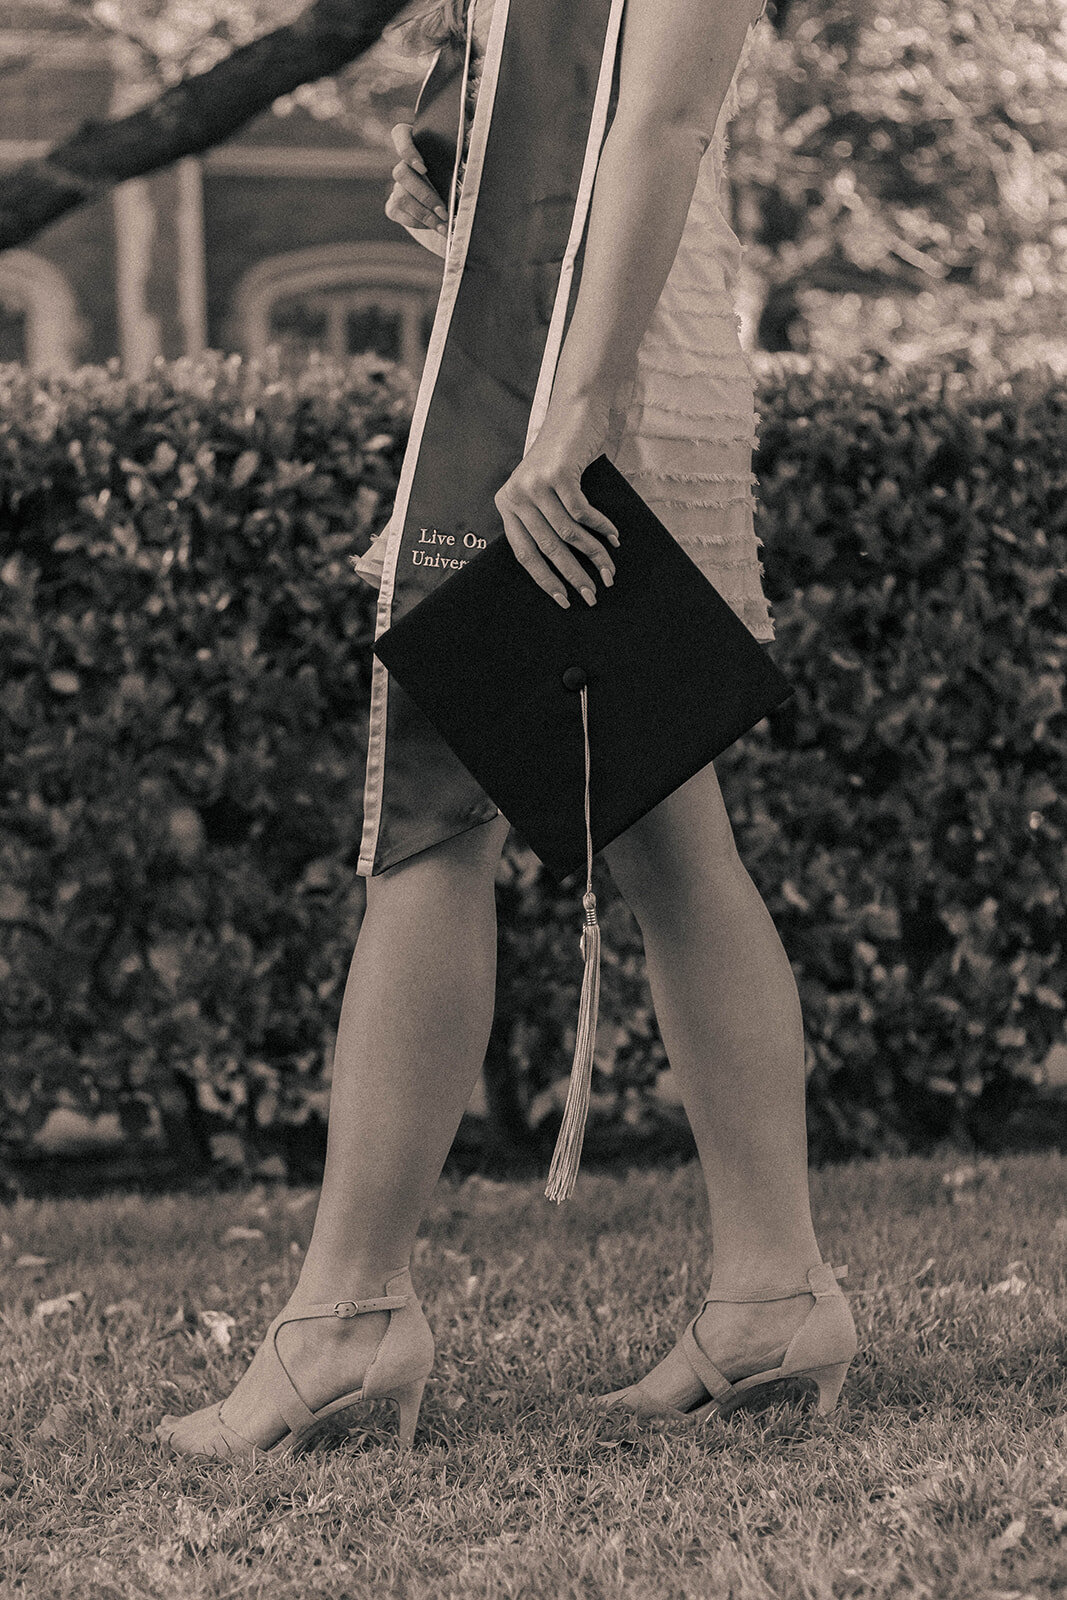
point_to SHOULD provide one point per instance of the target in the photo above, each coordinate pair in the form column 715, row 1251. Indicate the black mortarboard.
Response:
column 578, row 721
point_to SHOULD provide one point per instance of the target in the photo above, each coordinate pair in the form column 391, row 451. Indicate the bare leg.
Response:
column 729, row 1014
column 414, row 1027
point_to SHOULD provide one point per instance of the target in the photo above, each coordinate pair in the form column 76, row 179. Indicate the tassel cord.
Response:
column 568, row 1151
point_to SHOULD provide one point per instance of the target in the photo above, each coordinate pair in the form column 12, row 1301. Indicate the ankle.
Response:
column 752, row 1280
column 343, row 1280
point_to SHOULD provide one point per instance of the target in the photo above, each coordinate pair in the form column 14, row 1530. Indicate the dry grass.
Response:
column 942, row 1472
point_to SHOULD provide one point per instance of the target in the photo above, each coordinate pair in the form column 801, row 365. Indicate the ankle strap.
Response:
column 343, row 1308
column 351, row 1308
column 822, row 1282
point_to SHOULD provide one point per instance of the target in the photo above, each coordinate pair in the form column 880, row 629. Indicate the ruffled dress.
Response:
column 684, row 430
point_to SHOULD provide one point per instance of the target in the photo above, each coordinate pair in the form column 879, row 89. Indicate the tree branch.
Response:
column 190, row 116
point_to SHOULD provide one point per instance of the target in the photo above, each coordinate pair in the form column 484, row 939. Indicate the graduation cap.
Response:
column 577, row 722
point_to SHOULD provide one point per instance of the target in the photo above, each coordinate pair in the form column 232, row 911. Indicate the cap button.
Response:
column 574, row 678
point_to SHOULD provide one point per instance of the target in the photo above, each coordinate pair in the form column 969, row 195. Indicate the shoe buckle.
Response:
column 346, row 1308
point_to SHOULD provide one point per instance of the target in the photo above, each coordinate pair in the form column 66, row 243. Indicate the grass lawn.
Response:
column 942, row 1472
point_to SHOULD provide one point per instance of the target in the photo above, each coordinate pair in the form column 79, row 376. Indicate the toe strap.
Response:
column 221, row 1442
column 708, row 1373
column 285, row 1395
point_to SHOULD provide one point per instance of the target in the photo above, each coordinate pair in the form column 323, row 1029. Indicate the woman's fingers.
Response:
column 419, row 189
column 528, row 556
column 401, row 208
column 403, row 143
column 574, row 523
column 414, row 201
column 581, row 512
column 405, row 146
column 556, row 546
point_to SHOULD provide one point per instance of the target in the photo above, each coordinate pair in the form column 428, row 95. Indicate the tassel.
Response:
column 568, row 1151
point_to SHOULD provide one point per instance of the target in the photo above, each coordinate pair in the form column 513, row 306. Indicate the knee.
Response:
column 478, row 847
column 634, row 872
column 653, row 872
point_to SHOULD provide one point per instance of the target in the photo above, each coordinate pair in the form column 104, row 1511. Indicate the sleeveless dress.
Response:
column 683, row 428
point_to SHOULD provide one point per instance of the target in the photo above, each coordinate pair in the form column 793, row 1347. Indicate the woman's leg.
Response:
column 414, row 1027
column 729, row 1015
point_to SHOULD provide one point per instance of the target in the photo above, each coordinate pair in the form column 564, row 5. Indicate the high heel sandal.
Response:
column 821, row 1350
column 398, row 1371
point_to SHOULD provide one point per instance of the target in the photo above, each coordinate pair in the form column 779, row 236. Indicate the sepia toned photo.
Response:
column 533, row 834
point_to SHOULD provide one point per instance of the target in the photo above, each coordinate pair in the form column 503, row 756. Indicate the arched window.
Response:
column 14, row 329
column 342, row 300
column 39, row 321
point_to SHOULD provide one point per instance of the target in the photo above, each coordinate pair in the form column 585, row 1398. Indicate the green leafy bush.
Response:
column 184, row 715
column 183, row 718
column 904, row 814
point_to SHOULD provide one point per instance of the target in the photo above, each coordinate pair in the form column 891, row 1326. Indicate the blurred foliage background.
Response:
column 183, row 723
column 187, row 653
column 897, row 171
column 899, row 174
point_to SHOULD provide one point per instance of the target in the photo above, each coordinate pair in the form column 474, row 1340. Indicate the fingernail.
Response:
column 442, row 227
column 420, row 166
column 614, row 539
column 589, row 596
column 607, row 577
column 562, row 600
column 439, row 211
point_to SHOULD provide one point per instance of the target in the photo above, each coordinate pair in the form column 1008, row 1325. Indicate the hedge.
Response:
column 183, row 717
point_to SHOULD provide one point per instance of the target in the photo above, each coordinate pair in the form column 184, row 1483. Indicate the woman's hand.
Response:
column 544, row 510
column 413, row 202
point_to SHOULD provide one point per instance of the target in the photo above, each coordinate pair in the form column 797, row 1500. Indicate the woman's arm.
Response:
column 678, row 57
column 677, row 60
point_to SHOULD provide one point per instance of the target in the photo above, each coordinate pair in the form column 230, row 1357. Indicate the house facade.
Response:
column 278, row 236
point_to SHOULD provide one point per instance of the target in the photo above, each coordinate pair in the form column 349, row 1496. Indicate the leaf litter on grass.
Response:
column 935, row 1476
